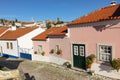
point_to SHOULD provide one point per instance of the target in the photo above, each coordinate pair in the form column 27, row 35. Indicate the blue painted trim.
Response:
column 10, row 56
column 26, row 56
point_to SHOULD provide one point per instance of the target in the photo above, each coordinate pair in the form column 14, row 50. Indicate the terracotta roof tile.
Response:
column 14, row 34
column 60, row 31
column 106, row 13
column 2, row 30
column 52, row 31
column 44, row 35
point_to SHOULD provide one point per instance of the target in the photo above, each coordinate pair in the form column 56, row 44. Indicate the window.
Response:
column 105, row 53
column 7, row 45
column 11, row 46
column 76, row 50
column 57, row 47
column 82, row 52
column 39, row 49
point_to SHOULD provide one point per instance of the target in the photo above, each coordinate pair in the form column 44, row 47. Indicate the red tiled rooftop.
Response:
column 24, row 23
column 106, row 13
column 14, row 34
column 54, row 31
column 2, row 30
column 60, row 31
column 44, row 35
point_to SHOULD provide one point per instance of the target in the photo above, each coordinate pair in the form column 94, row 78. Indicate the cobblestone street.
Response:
column 48, row 71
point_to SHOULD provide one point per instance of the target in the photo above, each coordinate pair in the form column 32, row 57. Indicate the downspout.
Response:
column 18, row 49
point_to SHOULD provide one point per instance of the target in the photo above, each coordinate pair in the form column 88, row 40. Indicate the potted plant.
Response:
column 115, row 63
column 52, row 51
column 43, row 53
column 92, row 57
column 35, row 52
column 59, row 51
column 89, row 62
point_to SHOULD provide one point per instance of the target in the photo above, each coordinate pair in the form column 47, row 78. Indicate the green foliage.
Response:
column 88, row 61
column 115, row 63
column 4, row 69
column 92, row 56
column 48, row 25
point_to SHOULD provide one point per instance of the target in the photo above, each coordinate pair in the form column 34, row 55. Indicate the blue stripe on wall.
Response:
column 10, row 56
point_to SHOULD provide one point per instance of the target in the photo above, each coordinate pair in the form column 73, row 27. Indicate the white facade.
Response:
column 24, row 43
column 26, row 40
column 9, row 51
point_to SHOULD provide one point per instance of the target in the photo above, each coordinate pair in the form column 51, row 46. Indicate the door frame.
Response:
column 72, row 63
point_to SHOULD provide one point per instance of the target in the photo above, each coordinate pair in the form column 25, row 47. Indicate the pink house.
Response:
column 96, row 33
column 50, row 42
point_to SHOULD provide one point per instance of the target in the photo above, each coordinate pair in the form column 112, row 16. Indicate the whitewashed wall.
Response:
column 13, row 51
column 26, row 40
column 50, row 58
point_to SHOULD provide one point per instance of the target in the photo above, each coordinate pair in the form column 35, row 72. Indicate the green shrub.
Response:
column 89, row 61
column 115, row 63
column 92, row 56
column 4, row 69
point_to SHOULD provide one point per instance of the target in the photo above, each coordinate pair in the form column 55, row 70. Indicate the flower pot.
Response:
column 89, row 65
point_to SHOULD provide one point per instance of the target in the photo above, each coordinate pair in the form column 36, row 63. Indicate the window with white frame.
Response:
column 9, row 45
column 40, row 49
column 105, row 53
column 57, row 47
column 75, row 50
column 82, row 52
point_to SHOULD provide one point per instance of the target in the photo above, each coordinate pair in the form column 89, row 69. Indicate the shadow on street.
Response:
column 9, row 63
column 28, row 77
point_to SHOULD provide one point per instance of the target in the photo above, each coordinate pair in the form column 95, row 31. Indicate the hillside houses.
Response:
column 96, row 33
column 14, row 43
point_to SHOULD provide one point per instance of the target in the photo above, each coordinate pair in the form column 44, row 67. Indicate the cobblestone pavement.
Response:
column 37, row 70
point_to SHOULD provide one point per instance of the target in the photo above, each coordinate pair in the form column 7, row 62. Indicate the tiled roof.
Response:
column 60, row 31
column 52, row 31
column 24, row 23
column 2, row 30
column 106, row 13
column 14, row 34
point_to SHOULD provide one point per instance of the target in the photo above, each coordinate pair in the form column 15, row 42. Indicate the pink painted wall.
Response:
column 45, row 46
column 65, row 46
column 92, row 36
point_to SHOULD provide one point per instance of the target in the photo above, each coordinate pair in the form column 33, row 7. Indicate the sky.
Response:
column 41, row 10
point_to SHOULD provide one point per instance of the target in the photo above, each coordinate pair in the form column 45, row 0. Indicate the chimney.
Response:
column 113, row 3
column 13, row 27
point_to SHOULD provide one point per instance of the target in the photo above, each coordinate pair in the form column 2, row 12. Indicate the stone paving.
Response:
column 48, row 71
column 37, row 70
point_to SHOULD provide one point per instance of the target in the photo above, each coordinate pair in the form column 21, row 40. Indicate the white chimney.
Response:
column 13, row 27
column 113, row 3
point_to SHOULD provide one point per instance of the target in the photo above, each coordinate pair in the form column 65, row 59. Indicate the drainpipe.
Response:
column 18, row 49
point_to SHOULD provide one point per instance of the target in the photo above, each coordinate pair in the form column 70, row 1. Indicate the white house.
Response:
column 15, row 42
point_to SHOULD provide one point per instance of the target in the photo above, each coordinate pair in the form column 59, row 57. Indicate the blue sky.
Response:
column 41, row 10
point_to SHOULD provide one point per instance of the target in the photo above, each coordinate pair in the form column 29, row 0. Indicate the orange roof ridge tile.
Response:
column 106, row 13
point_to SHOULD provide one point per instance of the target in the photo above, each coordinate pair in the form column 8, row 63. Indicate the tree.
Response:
column 48, row 25
column 13, row 23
